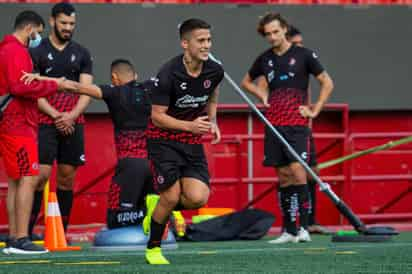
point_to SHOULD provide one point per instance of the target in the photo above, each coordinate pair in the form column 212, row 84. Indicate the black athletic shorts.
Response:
column 65, row 149
column 171, row 161
column 276, row 154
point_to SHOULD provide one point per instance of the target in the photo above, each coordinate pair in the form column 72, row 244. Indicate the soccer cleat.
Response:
column 25, row 246
column 179, row 223
column 155, row 256
column 303, row 236
column 285, row 238
column 151, row 202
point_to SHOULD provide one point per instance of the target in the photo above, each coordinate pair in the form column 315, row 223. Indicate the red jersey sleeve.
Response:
column 18, row 61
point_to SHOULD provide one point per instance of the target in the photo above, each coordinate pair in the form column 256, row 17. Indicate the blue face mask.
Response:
column 34, row 43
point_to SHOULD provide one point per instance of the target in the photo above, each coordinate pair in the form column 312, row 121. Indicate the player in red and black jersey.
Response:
column 184, row 108
column 61, row 132
column 129, row 106
column 287, row 69
column 294, row 36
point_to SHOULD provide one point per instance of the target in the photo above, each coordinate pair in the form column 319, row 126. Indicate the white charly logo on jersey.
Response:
column 292, row 61
column 183, row 86
column 155, row 81
column 160, row 179
column 304, row 155
column 314, row 55
column 35, row 166
column 207, row 83
column 73, row 58
column 189, row 101
column 271, row 76
column 270, row 63
column 48, row 70
column 83, row 158
column 50, row 56
column 291, row 74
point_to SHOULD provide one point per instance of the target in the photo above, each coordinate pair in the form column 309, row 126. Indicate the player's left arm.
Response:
column 326, row 88
column 86, row 77
column 314, row 67
column 84, row 100
column 212, row 114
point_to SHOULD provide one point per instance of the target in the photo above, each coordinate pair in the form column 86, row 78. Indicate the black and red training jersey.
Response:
column 185, row 96
column 129, row 106
column 288, row 79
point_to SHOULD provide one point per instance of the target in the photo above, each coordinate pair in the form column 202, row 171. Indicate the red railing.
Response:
column 334, row 136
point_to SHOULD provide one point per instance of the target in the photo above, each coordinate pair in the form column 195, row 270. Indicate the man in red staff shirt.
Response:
column 18, row 127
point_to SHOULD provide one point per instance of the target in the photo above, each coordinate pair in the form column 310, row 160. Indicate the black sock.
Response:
column 65, row 199
column 289, row 207
column 38, row 198
column 312, row 200
column 121, row 217
column 303, row 200
column 156, row 233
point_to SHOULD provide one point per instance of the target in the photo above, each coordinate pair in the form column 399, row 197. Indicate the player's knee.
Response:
column 285, row 176
column 65, row 181
column 41, row 181
column 198, row 200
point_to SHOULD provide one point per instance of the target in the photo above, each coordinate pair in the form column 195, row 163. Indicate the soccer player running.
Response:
column 184, row 103
column 61, row 120
column 129, row 105
column 287, row 69
column 18, row 127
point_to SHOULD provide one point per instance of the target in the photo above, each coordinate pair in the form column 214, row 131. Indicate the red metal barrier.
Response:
column 373, row 184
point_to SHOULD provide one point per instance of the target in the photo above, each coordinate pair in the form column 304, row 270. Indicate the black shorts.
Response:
column 133, row 179
column 312, row 160
column 67, row 150
column 276, row 154
column 171, row 161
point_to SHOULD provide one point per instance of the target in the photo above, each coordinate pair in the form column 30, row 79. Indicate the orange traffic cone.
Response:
column 55, row 239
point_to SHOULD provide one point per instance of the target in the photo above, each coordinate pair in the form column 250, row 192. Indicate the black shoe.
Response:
column 10, row 242
column 25, row 246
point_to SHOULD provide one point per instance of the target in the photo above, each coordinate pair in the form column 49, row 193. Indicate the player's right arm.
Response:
column 84, row 89
column 260, row 90
column 162, row 86
column 68, row 85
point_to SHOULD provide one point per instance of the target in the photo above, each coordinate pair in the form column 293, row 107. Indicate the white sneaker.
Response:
column 285, row 238
column 303, row 236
